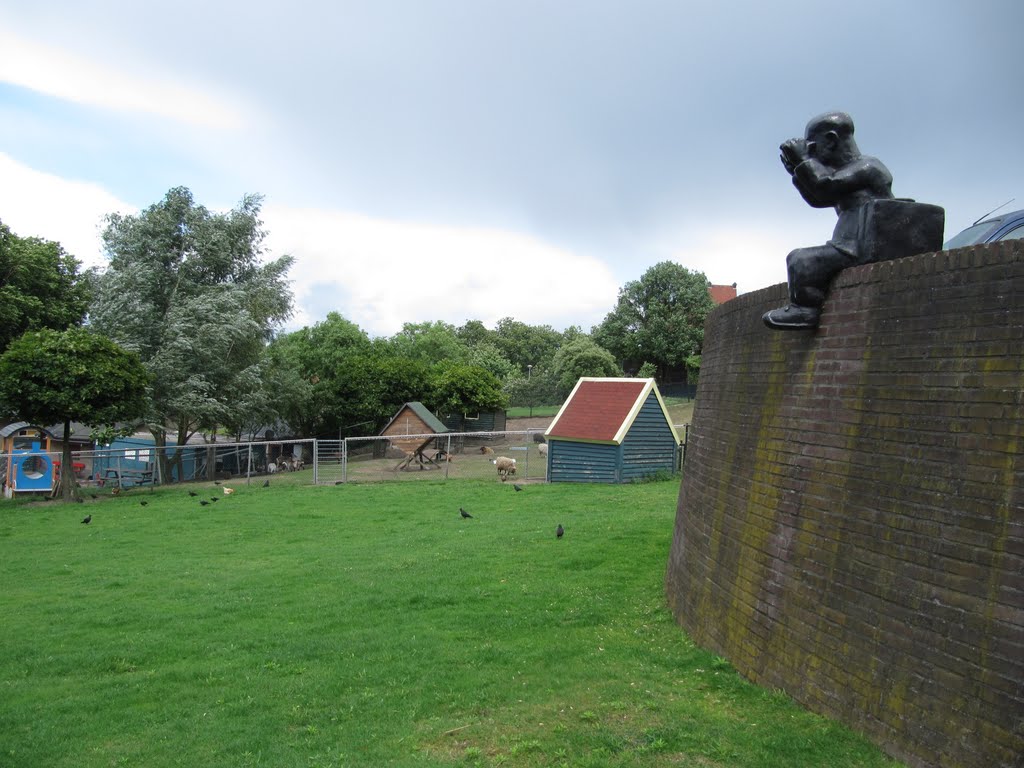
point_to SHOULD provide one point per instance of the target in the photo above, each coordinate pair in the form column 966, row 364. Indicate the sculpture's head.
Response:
column 830, row 138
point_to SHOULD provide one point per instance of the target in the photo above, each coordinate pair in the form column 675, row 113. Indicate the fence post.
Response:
column 344, row 460
column 316, row 461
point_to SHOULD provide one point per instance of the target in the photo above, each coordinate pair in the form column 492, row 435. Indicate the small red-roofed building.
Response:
column 722, row 293
column 611, row 430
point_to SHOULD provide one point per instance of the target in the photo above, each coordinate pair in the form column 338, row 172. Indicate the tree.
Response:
column 429, row 342
column 486, row 355
column 474, row 332
column 187, row 290
column 464, row 389
column 539, row 387
column 52, row 377
column 658, row 319
column 526, row 345
column 319, row 376
column 391, row 381
column 40, row 286
column 582, row 357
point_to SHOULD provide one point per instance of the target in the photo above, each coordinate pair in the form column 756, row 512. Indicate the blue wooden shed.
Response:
column 611, row 430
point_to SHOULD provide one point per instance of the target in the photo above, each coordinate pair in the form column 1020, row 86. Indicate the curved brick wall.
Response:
column 850, row 525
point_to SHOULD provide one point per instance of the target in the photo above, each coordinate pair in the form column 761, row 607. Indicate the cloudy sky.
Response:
column 476, row 159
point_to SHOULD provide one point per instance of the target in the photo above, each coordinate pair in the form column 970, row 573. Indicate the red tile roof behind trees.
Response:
column 597, row 409
column 722, row 293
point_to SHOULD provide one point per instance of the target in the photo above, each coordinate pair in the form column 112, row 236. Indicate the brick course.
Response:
column 850, row 525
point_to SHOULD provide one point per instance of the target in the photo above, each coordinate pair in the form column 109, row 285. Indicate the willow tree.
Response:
column 190, row 291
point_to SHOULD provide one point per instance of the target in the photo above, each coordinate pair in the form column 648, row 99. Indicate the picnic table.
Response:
column 123, row 477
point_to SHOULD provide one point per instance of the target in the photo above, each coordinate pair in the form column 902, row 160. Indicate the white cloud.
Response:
column 751, row 257
column 380, row 274
column 36, row 204
column 85, row 80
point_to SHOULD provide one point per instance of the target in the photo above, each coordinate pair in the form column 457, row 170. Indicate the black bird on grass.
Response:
column 143, row 503
column 216, row 482
column 464, row 513
column 559, row 531
column 203, row 502
column 517, row 487
column 192, row 493
column 266, row 483
column 214, row 498
column 87, row 520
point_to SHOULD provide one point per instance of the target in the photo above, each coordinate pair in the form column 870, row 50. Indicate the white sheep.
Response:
column 543, row 448
column 506, row 467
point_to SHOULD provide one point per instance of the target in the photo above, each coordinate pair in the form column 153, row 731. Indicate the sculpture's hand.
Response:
column 793, row 152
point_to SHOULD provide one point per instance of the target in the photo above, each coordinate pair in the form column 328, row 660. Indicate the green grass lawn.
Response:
column 525, row 411
column 370, row 625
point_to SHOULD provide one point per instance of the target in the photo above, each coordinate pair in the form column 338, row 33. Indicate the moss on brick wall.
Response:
column 850, row 525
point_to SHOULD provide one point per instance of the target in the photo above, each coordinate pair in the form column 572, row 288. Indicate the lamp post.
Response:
column 529, row 392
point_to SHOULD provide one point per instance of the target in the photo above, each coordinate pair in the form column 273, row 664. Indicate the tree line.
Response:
column 182, row 331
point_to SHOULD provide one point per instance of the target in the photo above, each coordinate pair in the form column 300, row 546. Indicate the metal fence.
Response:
column 452, row 455
column 351, row 460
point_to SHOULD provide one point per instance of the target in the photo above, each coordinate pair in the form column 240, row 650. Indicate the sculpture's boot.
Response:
column 792, row 317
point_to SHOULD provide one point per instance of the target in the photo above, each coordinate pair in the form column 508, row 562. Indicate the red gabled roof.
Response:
column 597, row 408
column 722, row 293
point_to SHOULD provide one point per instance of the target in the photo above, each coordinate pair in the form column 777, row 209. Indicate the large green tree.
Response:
column 52, row 377
column 189, row 290
column 526, row 345
column 320, row 377
column 429, row 342
column 464, row 389
column 582, row 357
column 40, row 286
column 658, row 319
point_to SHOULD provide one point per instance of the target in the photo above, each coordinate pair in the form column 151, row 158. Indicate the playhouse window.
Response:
column 34, row 467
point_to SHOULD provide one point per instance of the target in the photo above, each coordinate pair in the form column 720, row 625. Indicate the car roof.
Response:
column 986, row 230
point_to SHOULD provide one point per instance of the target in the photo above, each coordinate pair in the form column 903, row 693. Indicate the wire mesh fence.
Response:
column 509, row 455
column 517, row 456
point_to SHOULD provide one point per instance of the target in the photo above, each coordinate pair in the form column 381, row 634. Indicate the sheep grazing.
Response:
column 506, row 467
column 485, row 450
column 543, row 448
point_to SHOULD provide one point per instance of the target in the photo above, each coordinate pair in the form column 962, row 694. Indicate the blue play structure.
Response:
column 32, row 470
